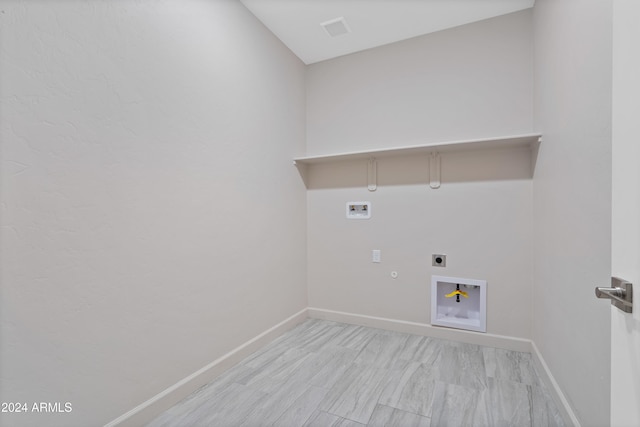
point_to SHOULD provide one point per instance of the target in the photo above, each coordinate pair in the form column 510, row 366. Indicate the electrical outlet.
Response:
column 438, row 260
column 376, row 256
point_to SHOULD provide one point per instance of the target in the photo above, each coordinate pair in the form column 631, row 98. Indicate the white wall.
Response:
column 468, row 82
column 625, row 242
column 572, row 199
column 151, row 218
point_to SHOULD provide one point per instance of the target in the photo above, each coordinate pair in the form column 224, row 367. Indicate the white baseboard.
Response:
column 479, row 338
column 162, row 401
column 561, row 401
column 159, row 403
column 489, row 340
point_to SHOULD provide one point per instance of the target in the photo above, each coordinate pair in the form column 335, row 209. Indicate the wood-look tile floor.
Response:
column 325, row 374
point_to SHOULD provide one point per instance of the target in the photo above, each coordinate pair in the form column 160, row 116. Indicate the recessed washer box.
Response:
column 459, row 303
column 358, row 210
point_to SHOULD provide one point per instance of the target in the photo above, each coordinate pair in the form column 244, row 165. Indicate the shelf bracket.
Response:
column 372, row 174
column 303, row 171
column 434, row 170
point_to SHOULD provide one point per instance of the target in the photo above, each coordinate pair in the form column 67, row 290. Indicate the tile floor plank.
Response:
column 329, row 374
column 302, row 408
column 413, row 390
column 356, row 394
column 266, row 411
column 459, row 406
column 324, row 419
column 461, row 364
column 386, row 416
column 509, row 403
column 509, row 365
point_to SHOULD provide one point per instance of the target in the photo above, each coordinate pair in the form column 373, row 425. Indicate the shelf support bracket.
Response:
column 303, row 171
column 434, row 170
column 372, row 174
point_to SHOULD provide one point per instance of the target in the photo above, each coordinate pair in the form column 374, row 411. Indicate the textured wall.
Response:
column 572, row 199
column 149, row 205
column 472, row 81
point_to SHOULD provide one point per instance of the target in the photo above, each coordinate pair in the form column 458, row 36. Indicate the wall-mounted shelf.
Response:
column 431, row 151
column 527, row 140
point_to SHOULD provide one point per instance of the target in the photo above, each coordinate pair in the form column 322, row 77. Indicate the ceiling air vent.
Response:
column 336, row 27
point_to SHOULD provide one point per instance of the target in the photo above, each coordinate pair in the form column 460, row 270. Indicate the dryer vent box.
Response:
column 358, row 210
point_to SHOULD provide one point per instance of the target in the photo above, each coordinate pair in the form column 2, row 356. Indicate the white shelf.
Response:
column 526, row 140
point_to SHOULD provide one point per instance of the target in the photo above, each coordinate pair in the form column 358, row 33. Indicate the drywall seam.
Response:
column 489, row 340
column 162, row 401
column 552, row 385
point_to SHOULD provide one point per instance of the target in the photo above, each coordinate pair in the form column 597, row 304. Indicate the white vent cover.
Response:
column 336, row 27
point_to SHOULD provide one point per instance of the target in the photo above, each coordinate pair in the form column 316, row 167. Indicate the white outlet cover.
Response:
column 358, row 210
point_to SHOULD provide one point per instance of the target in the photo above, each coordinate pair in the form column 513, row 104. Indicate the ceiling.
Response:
column 372, row 22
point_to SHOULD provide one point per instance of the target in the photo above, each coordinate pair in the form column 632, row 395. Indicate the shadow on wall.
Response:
column 456, row 167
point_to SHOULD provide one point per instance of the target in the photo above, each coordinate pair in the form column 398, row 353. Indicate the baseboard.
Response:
column 159, row 403
column 479, row 338
column 490, row 340
column 561, row 401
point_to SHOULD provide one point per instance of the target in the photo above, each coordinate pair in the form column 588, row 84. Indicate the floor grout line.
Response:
column 371, row 377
